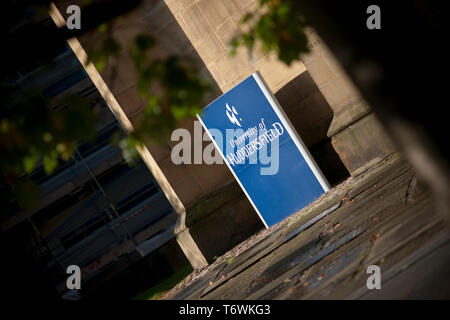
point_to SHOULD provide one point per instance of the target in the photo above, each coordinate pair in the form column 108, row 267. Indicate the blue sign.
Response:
column 263, row 151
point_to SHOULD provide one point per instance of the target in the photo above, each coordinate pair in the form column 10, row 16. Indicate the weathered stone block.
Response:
column 276, row 73
column 210, row 48
column 362, row 144
column 336, row 92
column 195, row 24
column 178, row 6
column 354, row 110
column 321, row 70
column 227, row 31
column 217, row 11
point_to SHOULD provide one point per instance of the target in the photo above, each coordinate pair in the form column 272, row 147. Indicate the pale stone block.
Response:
column 321, row 71
column 178, row 6
column 362, row 145
column 195, row 24
column 276, row 73
column 191, row 250
column 337, row 93
column 354, row 110
column 231, row 67
column 245, row 3
column 217, row 11
column 217, row 75
column 210, row 48
column 243, row 75
column 227, row 31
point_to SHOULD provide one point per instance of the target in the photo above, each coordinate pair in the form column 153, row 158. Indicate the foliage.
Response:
column 280, row 28
column 33, row 132
column 171, row 89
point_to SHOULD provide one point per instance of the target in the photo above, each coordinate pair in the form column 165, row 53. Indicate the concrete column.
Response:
column 210, row 25
column 356, row 134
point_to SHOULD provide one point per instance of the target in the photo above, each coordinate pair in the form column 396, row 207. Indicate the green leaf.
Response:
column 29, row 162
column 50, row 162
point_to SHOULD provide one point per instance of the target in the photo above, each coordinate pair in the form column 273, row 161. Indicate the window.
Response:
column 64, row 84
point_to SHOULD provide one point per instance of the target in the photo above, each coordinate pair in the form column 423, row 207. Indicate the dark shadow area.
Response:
column 329, row 162
column 311, row 116
column 134, row 274
column 407, row 100
column 23, row 276
column 222, row 220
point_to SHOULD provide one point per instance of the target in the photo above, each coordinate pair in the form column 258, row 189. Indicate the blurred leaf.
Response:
column 144, row 42
column 50, row 162
column 29, row 162
column 280, row 29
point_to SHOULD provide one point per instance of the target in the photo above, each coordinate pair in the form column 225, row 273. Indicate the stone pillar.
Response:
column 210, row 25
column 356, row 134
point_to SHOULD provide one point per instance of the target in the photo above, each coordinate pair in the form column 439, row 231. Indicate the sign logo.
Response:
column 231, row 114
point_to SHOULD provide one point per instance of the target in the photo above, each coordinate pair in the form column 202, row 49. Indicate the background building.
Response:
column 95, row 210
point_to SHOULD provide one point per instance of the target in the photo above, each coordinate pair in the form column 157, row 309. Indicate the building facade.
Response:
column 95, row 210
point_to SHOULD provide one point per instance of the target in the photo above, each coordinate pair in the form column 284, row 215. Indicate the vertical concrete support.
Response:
column 192, row 252
column 210, row 25
column 338, row 90
column 359, row 144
